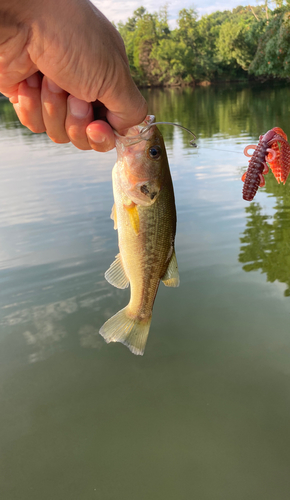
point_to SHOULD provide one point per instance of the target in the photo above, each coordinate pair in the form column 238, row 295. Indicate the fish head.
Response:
column 142, row 162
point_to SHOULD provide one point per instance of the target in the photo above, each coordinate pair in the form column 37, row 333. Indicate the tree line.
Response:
column 247, row 42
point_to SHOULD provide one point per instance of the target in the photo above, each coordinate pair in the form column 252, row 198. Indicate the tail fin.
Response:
column 130, row 332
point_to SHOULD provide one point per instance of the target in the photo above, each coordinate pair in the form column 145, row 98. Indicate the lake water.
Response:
column 205, row 414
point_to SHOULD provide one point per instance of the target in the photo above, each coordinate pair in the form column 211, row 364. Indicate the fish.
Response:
column 273, row 150
column 144, row 215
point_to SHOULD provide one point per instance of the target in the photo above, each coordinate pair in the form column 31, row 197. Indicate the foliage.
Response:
column 273, row 54
column 223, row 45
column 140, row 34
column 239, row 37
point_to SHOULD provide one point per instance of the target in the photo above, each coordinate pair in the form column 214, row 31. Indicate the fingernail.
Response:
column 53, row 87
column 96, row 137
column 33, row 81
column 78, row 108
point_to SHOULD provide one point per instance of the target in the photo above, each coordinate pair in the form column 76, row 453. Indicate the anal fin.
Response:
column 171, row 277
column 116, row 275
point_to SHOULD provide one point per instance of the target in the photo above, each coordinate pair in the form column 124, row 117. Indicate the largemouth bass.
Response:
column 144, row 215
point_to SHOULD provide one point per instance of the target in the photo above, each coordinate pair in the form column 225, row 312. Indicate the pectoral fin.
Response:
column 171, row 277
column 114, row 216
column 132, row 210
column 116, row 275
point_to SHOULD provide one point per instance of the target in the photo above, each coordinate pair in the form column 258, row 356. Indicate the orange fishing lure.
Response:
column 272, row 150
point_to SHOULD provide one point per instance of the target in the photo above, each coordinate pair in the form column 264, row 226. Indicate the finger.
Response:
column 126, row 106
column 54, row 110
column 10, row 91
column 29, row 108
column 79, row 116
column 100, row 136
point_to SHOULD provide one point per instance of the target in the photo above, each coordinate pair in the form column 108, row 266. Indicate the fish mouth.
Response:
column 136, row 134
column 143, row 132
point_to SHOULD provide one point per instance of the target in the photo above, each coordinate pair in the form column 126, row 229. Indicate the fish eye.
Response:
column 155, row 152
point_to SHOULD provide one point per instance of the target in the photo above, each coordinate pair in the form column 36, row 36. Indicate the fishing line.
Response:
column 140, row 137
column 224, row 150
column 192, row 143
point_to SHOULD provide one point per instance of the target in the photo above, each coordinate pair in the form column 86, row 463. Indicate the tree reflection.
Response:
column 266, row 240
column 223, row 110
column 227, row 110
column 8, row 116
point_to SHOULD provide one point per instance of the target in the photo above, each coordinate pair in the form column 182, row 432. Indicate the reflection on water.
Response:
column 266, row 239
column 48, row 326
column 224, row 111
column 205, row 413
column 266, row 244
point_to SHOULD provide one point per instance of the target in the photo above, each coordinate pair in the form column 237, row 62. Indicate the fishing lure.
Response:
column 272, row 150
column 280, row 166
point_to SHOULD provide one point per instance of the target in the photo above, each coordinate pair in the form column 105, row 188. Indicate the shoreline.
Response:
column 207, row 83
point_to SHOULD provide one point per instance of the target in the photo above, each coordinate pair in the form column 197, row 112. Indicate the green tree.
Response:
column 208, row 27
column 273, row 53
column 239, row 37
column 140, row 34
column 176, row 55
column 223, row 45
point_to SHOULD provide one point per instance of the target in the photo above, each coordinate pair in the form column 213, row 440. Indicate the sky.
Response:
column 120, row 10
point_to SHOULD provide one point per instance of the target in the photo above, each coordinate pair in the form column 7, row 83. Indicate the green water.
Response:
column 205, row 414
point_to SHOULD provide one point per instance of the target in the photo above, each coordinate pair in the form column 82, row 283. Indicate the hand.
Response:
column 62, row 64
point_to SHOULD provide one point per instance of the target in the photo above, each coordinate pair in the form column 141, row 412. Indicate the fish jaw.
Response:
column 133, row 134
column 141, row 175
column 134, row 137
